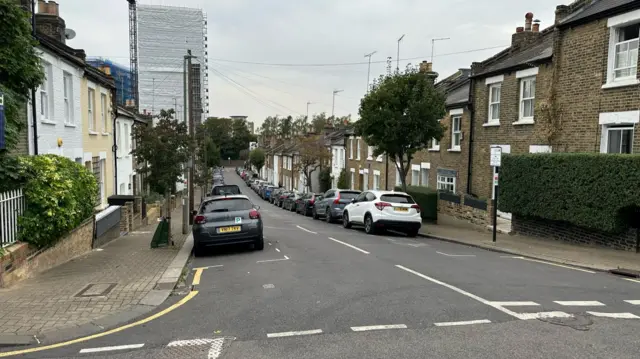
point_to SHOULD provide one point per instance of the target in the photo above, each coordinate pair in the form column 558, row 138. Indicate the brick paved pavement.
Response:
column 50, row 301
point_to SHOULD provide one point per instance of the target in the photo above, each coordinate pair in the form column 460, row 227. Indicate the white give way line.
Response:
column 113, row 348
column 306, row 230
column 349, row 245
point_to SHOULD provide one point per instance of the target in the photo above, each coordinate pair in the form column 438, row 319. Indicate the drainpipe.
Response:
column 472, row 116
column 34, row 117
column 114, row 149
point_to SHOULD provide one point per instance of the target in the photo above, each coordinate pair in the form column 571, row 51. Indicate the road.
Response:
column 321, row 291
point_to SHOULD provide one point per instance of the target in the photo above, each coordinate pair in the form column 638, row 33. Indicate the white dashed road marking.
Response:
column 544, row 315
column 378, row 327
column 634, row 302
column 556, row 264
column 349, row 245
column 632, row 280
column 292, row 334
column 107, row 349
column 190, row 342
column 277, row 250
column 273, row 260
column 614, row 315
column 468, row 322
column 578, row 303
column 457, row 255
column 306, row 230
column 515, row 304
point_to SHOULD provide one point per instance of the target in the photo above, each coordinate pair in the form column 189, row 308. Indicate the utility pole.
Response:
column 333, row 105
column 153, row 96
column 369, row 68
column 433, row 46
column 308, row 103
column 34, row 116
column 398, row 54
column 186, row 213
column 192, row 134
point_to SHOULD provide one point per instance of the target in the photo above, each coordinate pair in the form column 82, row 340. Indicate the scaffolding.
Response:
column 165, row 33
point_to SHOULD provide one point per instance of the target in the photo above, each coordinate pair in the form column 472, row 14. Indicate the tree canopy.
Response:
column 230, row 136
column 163, row 149
column 257, row 158
column 401, row 115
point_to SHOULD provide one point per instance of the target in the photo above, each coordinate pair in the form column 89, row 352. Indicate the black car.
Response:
column 226, row 220
column 225, row 189
column 306, row 203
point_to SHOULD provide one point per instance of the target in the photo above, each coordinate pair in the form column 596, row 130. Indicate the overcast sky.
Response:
column 307, row 32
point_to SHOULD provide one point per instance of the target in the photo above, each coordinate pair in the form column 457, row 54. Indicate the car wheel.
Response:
column 368, row 224
column 412, row 233
column 327, row 215
column 314, row 214
column 345, row 220
column 259, row 245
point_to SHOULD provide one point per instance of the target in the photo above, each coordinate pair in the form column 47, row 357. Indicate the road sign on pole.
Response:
column 496, row 156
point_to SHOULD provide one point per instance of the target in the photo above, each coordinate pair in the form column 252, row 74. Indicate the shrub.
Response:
column 589, row 190
column 325, row 179
column 59, row 194
column 343, row 180
column 426, row 198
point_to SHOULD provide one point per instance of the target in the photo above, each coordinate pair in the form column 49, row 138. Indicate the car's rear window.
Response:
column 226, row 205
column 225, row 190
column 397, row 198
column 348, row 195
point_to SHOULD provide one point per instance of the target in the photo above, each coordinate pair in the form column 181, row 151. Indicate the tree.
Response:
column 313, row 154
column 20, row 69
column 343, row 180
column 257, row 158
column 400, row 116
column 240, row 137
column 163, row 149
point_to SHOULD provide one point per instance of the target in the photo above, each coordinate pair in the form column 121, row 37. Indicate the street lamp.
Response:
column 333, row 105
column 433, row 45
column 398, row 54
column 369, row 68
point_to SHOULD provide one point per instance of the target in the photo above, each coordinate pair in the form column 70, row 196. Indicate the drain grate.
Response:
column 96, row 290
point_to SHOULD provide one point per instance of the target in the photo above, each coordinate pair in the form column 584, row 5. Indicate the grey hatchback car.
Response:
column 227, row 220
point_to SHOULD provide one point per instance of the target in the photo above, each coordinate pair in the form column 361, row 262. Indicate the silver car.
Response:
column 227, row 220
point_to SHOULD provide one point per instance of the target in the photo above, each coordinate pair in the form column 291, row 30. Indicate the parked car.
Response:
column 382, row 210
column 278, row 200
column 226, row 220
column 290, row 202
column 225, row 189
column 306, row 204
column 266, row 192
column 274, row 194
column 332, row 204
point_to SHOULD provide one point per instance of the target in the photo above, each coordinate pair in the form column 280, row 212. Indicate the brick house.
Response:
column 365, row 171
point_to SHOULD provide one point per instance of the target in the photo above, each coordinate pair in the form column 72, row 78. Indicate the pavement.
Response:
column 590, row 257
column 108, row 286
column 318, row 290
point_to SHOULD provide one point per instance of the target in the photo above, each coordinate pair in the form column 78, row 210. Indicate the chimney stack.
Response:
column 527, row 21
column 519, row 29
column 49, row 22
column 426, row 66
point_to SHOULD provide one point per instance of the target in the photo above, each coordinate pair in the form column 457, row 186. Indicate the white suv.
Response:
column 378, row 210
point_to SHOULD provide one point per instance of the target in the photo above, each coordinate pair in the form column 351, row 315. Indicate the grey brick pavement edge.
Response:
column 151, row 301
column 515, row 253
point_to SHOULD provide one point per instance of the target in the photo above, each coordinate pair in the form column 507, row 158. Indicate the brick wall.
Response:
column 566, row 232
column 126, row 218
column 474, row 211
column 22, row 147
column 372, row 164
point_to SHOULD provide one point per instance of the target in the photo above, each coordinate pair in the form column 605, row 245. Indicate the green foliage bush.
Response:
column 343, row 180
column 586, row 189
column 426, row 198
column 60, row 194
column 325, row 179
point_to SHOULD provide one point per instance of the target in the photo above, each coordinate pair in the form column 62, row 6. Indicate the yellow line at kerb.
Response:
column 196, row 276
column 187, row 298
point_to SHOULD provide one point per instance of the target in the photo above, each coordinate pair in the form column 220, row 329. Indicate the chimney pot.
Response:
column 527, row 21
column 426, row 66
column 536, row 27
column 42, row 6
column 54, row 8
column 519, row 29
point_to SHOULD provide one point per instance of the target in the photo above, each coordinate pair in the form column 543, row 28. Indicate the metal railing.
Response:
column 12, row 206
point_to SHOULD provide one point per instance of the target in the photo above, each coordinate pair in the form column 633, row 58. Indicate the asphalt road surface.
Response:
column 321, row 291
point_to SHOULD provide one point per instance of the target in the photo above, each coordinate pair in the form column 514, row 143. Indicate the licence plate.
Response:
column 401, row 209
column 229, row 229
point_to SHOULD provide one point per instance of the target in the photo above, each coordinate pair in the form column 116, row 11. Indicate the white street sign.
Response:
column 496, row 156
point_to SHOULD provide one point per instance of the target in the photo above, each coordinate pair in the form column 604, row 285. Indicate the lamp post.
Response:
column 398, row 54
column 333, row 105
column 433, row 45
column 369, row 68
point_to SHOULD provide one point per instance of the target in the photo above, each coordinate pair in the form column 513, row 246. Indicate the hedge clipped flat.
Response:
column 426, row 198
column 597, row 191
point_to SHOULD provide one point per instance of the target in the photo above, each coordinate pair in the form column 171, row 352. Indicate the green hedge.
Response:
column 427, row 199
column 586, row 189
column 60, row 194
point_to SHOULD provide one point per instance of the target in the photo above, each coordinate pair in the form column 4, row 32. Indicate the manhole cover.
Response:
column 96, row 290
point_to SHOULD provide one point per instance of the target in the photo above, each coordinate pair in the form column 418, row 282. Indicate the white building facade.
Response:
column 337, row 163
column 59, row 115
column 124, row 159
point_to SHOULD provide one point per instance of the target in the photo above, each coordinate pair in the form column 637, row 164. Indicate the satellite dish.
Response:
column 69, row 34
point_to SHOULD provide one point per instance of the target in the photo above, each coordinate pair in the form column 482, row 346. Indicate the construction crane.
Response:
column 133, row 52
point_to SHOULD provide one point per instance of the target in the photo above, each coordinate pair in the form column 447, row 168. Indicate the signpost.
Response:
column 495, row 162
column 2, row 123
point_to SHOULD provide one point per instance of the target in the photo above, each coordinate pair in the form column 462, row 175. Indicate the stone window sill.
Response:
column 105, row 133
column 71, row 125
column 47, row 122
column 621, row 83
column 92, row 133
column 491, row 124
column 455, row 149
column 527, row 121
column 434, row 149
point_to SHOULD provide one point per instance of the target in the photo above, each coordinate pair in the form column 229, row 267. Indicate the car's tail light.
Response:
column 416, row 207
column 380, row 205
column 337, row 200
column 200, row 219
column 254, row 214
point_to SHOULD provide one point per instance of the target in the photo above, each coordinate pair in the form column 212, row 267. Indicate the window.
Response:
column 424, row 177
column 119, row 138
column 494, row 103
column 379, row 158
column 369, row 152
column 127, row 138
column 67, row 81
column 365, row 184
column 45, row 89
column 351, row 148
column 619, row 139
column 434, row 145
column 358, row 149
column 98, row 172
column 397, row 198
column 376, row 181
column 352, row 180
column 91, row 106
column 226, row 205
column 527, row 97
column 415, row 177
column 446, row 183
column 456, row 132
column 625, row 52
column 103, row 112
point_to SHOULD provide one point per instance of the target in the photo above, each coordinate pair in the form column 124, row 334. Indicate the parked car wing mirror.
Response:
column 353, row 200
column 256, row 207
